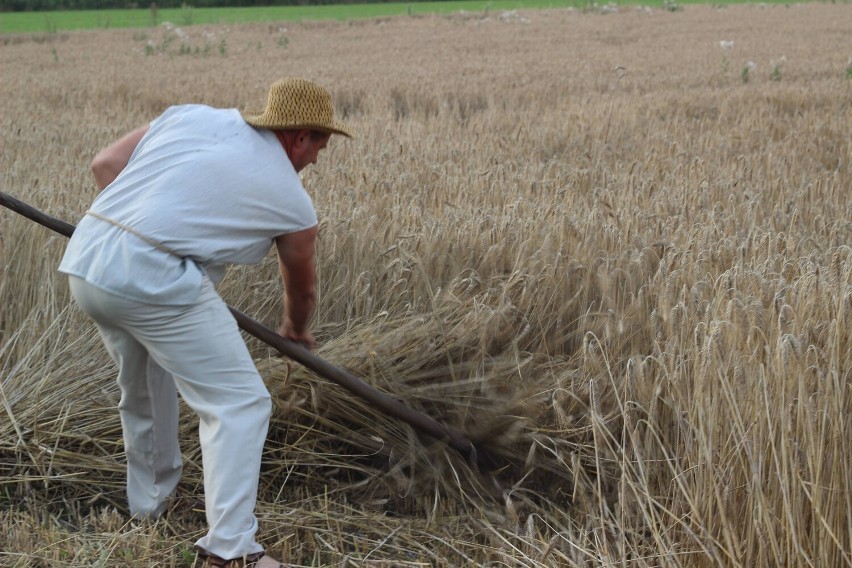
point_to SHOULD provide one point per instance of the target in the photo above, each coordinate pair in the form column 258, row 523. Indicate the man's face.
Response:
column 307, row 148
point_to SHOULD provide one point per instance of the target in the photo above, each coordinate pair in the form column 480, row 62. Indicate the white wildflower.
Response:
column 726, row 44
column 513, row 16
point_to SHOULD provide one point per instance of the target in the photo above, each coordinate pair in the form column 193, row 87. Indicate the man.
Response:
column 198, row 189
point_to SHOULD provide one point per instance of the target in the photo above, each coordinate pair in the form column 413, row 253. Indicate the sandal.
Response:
column 259, row 560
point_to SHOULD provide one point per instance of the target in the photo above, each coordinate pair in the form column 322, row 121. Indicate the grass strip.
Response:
column 69, row 20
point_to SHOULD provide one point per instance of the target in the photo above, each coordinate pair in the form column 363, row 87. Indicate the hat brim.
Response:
column 262, row 121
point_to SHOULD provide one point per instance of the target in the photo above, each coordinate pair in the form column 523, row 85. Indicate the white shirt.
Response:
column 201, row 183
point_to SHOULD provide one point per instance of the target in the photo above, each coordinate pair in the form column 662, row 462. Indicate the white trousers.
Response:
column 196, row 350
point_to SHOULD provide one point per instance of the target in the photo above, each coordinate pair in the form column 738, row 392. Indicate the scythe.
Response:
column 387, row 404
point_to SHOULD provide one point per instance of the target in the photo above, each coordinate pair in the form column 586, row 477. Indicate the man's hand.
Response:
column 306, row 338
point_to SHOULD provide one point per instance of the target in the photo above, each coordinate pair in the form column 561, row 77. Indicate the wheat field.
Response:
column 612, row 245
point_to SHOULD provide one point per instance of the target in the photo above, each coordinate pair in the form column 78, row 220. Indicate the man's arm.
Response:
column 109, row 162
column 297, row 263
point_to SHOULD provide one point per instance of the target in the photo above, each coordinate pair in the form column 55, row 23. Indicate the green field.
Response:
column 31, row 22
column 24, row 22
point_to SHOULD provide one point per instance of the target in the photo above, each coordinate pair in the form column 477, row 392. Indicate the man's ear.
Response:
column 303, row 138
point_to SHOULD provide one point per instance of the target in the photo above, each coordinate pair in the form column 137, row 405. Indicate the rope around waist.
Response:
column 134, row 232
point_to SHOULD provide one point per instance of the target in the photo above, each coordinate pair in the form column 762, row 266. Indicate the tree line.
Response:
column 48, row 5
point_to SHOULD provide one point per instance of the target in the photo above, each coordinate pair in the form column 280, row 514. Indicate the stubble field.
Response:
column 613, row 246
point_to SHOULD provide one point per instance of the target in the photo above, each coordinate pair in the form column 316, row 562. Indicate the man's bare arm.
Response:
column 109, row 162
column 297, row 263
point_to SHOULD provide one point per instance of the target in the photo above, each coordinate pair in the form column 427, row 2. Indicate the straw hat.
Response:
column 294, row 104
